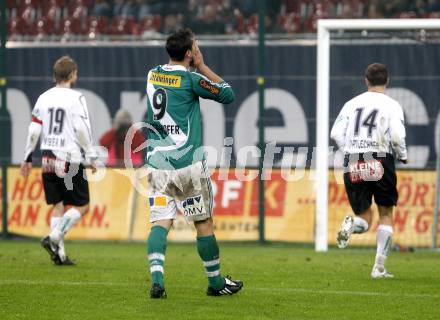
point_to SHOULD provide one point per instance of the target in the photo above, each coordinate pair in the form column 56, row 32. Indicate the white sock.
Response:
column 66, row 223
column 54, row 221
column 360, row 225
column 61, row 250
column 384, row 239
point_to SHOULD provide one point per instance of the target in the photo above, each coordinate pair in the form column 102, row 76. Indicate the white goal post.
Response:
column 323, row 103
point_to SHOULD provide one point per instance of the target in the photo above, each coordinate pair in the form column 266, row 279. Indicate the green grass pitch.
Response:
column 111, row 281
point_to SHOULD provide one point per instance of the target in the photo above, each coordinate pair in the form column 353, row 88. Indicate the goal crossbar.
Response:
column 323, row 103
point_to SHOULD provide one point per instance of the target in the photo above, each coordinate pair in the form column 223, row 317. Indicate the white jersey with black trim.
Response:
column 371, row 122
column 65, row 121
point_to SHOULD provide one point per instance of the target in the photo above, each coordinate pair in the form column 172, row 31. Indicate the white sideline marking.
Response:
column 293, row 290
column 348, row 293
column 69, row 283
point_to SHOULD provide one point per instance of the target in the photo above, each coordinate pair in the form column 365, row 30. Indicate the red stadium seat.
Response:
column 292, row 6
column 59, row 3
column 310, row 24
column 71, row 26
column 78, row 9
column 28, row 3
column 16, row 26
column 45, row 26
column 239, row 20
column 131, row 26
column 252, row 24
column 323, row 8
column 153, row 22
column 358, row 8
column 96, row 26
column 26, row 10
column 157, row 22
column 434, row 15
column 10, row 4
column 146, row 23
column 290, row 23
column 407, row 15
column 86, row 3
column 44, row 17
column 123, row 26
column 19, row 26
column 52, row 9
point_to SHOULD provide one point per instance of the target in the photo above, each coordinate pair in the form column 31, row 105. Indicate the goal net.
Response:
column 410, row 49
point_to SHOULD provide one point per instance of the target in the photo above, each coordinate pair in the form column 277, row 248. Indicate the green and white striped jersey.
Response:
column 173, row 115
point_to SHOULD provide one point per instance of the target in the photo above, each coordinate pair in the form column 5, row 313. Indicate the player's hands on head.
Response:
column 26, row 168
column 198, row 56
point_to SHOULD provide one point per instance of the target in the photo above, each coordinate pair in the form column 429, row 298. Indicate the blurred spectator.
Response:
column 52, row 11
column 433, row 6
column 347, row 11
column 419, row 7
column 392, row 8
column 273, row 9
column 158, row 6
column 101, row 8
column 58, row 18
column 176, row 6
column 295, row 6
column 372, row 10
column 247, row 7
column 171, row 23
column 195, row 9
column 209, row 22
column 114, row 138
column 129, row 9
column 145, row 9
column 226, row 14
column 271, row 25
column 117, row 7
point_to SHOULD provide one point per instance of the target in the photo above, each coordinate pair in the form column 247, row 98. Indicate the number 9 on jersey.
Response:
column 159, row 103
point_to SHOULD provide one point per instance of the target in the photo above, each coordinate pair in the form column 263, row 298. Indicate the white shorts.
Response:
column 188, row 189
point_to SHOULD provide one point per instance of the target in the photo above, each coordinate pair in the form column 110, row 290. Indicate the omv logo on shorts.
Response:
column 193, row 206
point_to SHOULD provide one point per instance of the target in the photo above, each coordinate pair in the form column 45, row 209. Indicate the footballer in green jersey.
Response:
column 175, row 134
column 177, row 175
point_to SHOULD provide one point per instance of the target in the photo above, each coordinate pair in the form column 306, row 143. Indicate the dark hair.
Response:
column 377, row 74
column 63, row 68
column 179, row 43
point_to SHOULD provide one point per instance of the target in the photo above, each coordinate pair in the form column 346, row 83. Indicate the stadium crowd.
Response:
column 94, row 19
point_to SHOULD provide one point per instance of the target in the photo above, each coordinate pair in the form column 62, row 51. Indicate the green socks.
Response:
column 209, row 252
column 206, row 246
column 157, row 245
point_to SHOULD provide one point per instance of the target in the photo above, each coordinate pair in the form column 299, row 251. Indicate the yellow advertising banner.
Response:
column 412, row 215
column 119, row 207
column 107, row 219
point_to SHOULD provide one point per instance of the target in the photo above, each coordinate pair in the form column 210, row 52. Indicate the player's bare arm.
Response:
column 34, row 133
column 201, row 67
column 25, row 169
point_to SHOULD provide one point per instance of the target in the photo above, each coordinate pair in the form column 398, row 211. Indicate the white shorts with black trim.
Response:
column 188, row 189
